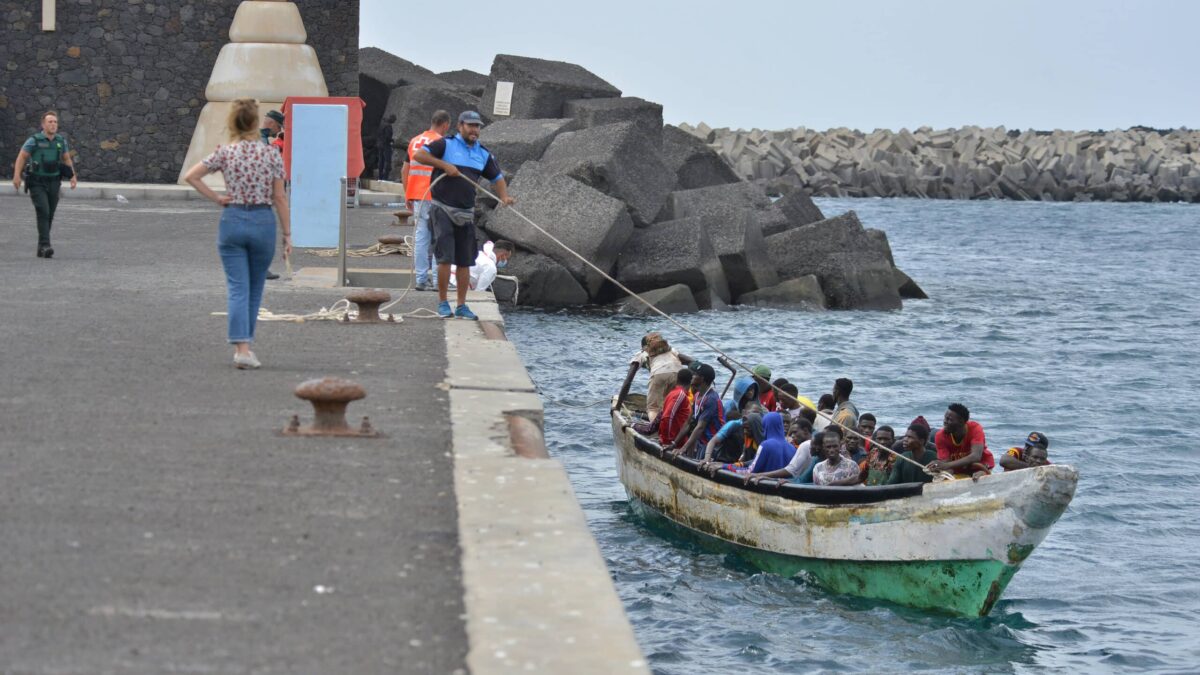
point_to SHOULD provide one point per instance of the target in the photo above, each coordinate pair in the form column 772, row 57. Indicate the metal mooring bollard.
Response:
column 368, row 301
column 329, row 397
column 391, row 239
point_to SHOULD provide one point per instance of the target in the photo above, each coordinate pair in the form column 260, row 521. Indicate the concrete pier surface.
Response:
column 152, row 518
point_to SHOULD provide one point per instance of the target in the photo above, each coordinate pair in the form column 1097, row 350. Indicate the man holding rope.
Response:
column 453, row 216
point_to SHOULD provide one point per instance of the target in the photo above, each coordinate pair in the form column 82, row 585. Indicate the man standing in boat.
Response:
column 961, row 445
column 845, row 413
column 707, row 414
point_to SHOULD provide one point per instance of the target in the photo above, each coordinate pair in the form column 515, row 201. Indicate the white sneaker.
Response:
column 249, row 361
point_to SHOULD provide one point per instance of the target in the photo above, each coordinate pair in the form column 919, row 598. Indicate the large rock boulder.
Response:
column 541, row 282
column 694, row 164
column 595, row 112
column 514, row 142
column 541, row 87
column 378, row 74
column 739, row 244
column 674, row 252
column 851, row 265
column 802, row 293
column 675, row 299
column 593, row 224
column 414, row 105
column 798, row 207
column 469, row 80
column 715, row 200
column 618, row 160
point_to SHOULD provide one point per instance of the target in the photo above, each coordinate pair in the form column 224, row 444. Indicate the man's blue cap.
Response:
column 470, row 117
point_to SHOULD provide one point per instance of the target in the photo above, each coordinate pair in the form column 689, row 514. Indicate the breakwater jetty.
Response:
column 1132, row 165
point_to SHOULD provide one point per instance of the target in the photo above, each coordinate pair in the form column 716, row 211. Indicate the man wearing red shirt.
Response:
column 961, row 445
column 676, row 408
column 762, row 375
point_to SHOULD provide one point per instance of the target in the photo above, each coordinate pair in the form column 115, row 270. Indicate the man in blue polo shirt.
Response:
column 459, row 157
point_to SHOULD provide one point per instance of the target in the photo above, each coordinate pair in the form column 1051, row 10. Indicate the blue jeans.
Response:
column 246, row 242
column 424, row 236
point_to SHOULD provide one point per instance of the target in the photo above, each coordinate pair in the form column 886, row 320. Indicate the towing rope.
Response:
column 944, row 475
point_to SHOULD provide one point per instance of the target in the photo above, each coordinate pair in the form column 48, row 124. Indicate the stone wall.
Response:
column 128, row 76
column 1138, row 164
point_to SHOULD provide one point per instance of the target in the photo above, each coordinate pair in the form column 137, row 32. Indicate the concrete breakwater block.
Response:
column 594, row 112
column 469, row 80
column 590, row 222
column 714, row 200
column 675, row 299
column 803, row 293
column 694, row 164
column 516, row 141
column 378, row 73
column 543, row 283
column 907, row 288
column 541, row 87
column 739, row 244
column 413, row 106
column 614, row 159
column 853, row 268
column 674, row 252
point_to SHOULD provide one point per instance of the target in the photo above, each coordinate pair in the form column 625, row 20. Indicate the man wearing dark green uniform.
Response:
column 46, row 154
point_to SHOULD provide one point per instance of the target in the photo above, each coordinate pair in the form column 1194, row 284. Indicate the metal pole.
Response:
column 342, row 280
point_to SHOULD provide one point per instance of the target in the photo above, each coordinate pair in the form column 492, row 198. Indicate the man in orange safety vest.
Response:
column 416, row 178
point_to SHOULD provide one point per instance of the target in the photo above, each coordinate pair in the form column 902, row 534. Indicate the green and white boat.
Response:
column 951, row 546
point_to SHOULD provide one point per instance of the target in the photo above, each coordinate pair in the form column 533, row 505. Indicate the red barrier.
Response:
column 354, row 107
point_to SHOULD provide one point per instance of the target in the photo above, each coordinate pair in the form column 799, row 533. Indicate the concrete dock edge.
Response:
column 538, row 594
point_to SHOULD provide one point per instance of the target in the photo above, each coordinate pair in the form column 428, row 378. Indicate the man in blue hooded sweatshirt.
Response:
column 745, row 395
column 774, row 452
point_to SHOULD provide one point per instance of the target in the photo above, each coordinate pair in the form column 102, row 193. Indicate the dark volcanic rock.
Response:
column 378, row 74
column 617, row 160
column 473, row 82
column 542, row 283
column 694, row 164
column 738, row 242
column 594, row 112
column 674, row 252
column 675, row 299
column 590, row 222
column 541, row 87
column 514, row 142
column 414, row 105
column 851, row 265
column 802, row 293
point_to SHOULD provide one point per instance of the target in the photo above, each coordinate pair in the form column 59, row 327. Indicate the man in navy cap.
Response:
column 1033, row 454
column 463, row 161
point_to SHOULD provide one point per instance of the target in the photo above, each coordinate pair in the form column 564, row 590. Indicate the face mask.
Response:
column 502, row 264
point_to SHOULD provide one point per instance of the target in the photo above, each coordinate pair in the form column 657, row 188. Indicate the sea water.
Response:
column 1080, row 321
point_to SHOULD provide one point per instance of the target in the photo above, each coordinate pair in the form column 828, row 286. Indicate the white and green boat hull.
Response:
column 954, row 547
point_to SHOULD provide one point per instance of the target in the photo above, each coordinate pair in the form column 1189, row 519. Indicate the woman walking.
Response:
column 254, row 176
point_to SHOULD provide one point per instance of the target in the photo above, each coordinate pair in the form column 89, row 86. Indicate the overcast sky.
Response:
column 1068, row 64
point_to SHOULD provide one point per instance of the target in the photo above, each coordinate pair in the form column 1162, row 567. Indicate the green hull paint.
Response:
column 964, row 587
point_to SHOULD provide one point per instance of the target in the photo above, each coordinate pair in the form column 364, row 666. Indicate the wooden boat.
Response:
column 950, row 546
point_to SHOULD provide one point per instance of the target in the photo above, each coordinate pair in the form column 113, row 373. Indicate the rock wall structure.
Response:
column 649, row 204
column 1137, row 164
column 128, row 77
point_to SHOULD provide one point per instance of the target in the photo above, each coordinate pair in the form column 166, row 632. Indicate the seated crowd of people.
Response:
column 767, row 430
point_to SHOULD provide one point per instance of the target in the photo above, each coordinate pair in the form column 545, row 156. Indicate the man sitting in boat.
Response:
column 736, row 442
column 774, row 452
column 878, row 464
column 825, row 407
column 836, row 468
column 845, row 413
column 800, row 436
column 663, row 362
column 1033, row 454
column 766, row 394
column 707, row 415
column 677, row 407
column 915, row 440
column 854, row 445
column 745, row 398
column 961, row 445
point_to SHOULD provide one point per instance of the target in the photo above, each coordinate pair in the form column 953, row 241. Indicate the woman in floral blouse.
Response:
column 254, row 176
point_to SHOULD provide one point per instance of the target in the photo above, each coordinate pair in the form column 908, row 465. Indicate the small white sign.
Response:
column 503, row 99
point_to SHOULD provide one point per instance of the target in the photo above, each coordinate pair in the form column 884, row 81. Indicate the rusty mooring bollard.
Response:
column 329, row 397
column 391, row 239
column 368, row 301
column 402, row 216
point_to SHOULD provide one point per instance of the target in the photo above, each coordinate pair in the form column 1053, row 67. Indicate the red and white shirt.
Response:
column 250, row 169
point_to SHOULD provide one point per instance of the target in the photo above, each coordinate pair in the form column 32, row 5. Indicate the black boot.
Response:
column 45, row 251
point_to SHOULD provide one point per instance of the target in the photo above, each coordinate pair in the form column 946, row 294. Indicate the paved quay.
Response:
column 152, row 518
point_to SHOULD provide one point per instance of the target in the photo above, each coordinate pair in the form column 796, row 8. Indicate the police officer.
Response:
column 47, row 159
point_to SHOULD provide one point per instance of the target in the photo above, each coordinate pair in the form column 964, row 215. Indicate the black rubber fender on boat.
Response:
column 812, row 494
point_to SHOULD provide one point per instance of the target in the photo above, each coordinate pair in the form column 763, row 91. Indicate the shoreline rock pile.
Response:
column 648, row 203
column 1133, row 165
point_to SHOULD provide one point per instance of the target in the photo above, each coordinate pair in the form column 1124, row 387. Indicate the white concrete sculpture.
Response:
column 266, row 59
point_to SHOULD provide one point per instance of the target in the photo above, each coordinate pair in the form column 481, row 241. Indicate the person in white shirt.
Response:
column 490, row 260
column 663, row 362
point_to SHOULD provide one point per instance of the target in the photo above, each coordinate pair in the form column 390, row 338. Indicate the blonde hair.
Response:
column 243, row 120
